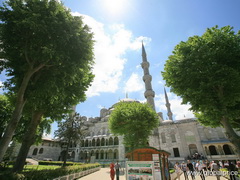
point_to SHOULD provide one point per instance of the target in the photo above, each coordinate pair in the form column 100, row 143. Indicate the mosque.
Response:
column 183, row 138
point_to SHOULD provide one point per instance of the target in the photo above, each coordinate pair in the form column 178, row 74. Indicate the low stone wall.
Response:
column 78, row 175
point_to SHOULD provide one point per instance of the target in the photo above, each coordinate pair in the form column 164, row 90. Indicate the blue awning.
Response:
column 215, row 141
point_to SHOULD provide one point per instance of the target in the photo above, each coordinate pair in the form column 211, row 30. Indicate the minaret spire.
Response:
column 169, row 112
column 147, row 78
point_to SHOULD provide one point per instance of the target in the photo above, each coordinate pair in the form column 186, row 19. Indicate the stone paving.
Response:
column 104, row 174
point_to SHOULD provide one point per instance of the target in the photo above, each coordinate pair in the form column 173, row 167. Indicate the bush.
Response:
column 58, row 163
column 51, row 174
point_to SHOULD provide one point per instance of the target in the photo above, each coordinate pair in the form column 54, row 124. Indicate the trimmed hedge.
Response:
column 47, row 174
column 58, row 163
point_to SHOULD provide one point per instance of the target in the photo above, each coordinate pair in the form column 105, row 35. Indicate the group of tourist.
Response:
column 196, row 156
column 115, row 169
column 205, row 168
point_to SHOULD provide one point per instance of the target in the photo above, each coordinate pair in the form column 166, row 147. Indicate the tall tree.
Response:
column 205, row 72
column 37, row 37
column 135, row 121
column 51, row 99
column 70, row 131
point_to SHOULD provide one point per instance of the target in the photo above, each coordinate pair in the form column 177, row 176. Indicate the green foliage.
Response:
column 6, row 109
column 58, row 163
column 47, row 173
column 72, row 129
column 48, row 55
column 133, row 120
column 205, row 72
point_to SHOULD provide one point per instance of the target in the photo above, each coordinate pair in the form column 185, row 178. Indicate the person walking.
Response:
column 191, row 169
column 232, row 169
column 177, row 170
column 117, row 168
column 199, row 167
column 112, row 171
column 215, row 169
column 184, row 169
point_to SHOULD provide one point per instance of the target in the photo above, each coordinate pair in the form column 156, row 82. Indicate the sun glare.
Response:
column 115, row 7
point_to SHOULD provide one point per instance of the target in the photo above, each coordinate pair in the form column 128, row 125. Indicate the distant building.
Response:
column 184, row 138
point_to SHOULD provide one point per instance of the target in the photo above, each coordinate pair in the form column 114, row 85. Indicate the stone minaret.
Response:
column 169, row 112
column 147, row 78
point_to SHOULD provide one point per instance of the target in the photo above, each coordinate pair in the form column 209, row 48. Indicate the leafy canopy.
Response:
column 205, row 72
column 134, row 121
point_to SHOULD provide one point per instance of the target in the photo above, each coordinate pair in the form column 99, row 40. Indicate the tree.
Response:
column 205, row 72
column 40, row 37
column 5, row 113
column 134, row 121
column 70, row 131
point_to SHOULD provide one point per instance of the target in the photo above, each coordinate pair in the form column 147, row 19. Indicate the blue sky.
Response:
column 121, row 25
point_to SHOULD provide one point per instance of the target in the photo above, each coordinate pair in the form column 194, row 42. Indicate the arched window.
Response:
column 41, row 151
column 102, row 154
column 213, row 150
column 35, row 151
column 110, row 141
column 115, row 154
column 86, row 143
column 102, row 142
column 110, row 154
column 116, row 142
column 193, row 149
column 227, row 149
column 98, row 142
column 163, row 137
column 106, row 142
column 89, row 143
column 97, row 154
column 173, row 137
column 92, row 153
column 93, row 142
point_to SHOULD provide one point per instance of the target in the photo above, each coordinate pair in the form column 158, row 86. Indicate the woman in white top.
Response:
column 178, row 171
column 199, row 167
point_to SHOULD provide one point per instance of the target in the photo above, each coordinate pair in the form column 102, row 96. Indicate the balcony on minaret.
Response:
column 149, row 93
column 147, row 78
column 145, row 64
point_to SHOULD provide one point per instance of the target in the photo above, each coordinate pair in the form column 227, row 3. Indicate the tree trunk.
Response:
column 9, row 132
column 231, row 134
column 28, row 140
column 20, row 102
column 66, row 153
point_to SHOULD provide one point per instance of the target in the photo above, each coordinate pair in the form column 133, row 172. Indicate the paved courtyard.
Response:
column 103, row 174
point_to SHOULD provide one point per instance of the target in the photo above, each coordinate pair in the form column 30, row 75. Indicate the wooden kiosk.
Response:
column 150, row 154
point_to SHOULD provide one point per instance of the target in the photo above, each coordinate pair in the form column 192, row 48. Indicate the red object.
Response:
column 112, row 171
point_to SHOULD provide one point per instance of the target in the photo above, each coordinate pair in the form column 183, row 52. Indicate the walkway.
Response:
column 103, row 174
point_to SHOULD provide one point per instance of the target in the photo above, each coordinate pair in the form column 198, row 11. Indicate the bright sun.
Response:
column 115, row 7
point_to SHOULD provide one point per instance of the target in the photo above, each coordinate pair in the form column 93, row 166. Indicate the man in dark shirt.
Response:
column 191, row 169
column 117, row 168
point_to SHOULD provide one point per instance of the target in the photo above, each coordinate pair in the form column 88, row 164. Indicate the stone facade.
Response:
column 182, row 138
